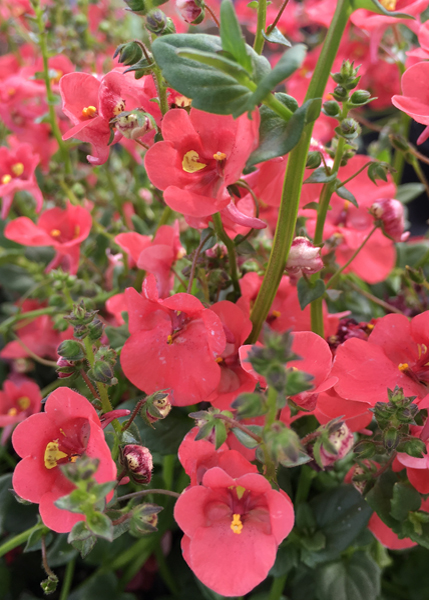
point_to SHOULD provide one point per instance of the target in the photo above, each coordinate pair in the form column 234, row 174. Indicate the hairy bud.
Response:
column 390, row 213
column 138, row 461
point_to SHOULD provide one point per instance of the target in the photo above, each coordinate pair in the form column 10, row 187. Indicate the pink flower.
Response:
column 414, row 100
column 65, row 230
column 303, row 258
column 200, row 156
column 396, row 353
column 17, row 401
column 91, row 105
column 233, row 525
column 17, row 167
column 386, row 536
column 38, row 335
column 174, row 345
column 391, row 214
column 342, row 440
column 68, row 429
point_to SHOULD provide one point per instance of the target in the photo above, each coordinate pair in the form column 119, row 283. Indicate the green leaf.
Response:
column 102, row 585
column 210, row 89
column 276, row 137
column 320, row 176
column 354, row 578
column 287, row 559
column 245, row 439
column 346, row 194
column 117, row 336
column 222, row 63
column 232, row 37
column 276, row 37
column 307, row 291
column 249, row 405
column 288, row 64
column 409, row 191
column 380, row 495
column 376, row 7
column 405, row 499
column 100, row 525
column 166, row 435
column 341, row 515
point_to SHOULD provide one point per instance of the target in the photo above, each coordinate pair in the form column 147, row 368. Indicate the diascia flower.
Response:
column 174, row 345
column 414, row 100
column 67, row 429
column 65, row 230
column 233, row 525
column 18, row 400
column 200, row 156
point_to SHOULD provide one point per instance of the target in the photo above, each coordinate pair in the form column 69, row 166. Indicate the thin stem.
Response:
column 277, row 19
column 134, row 414
column 50, row 96
column 163, row 568
column 237, row 425
column 68, row 579
column 220, row 232
column 19, row 539
column 337, row 274
column 30, row 315
column 258, row 45
column 294, row 176
column 374, row 299
column 419, row 172
column 89, row 384
column 196, row 254
column 277, row 587
column 39, row 359
column 399, row 157
column 356, row 174
column 213, row 16
column 306, row 476
column 47, row 568
column 165, row 217
column 146, row 493
column 160, row 88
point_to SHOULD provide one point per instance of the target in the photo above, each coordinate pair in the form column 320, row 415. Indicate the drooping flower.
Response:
column 303, row 258
column 204, row 154
column 68, row 429
column 174, row 345
column 233, row 524
column 65, row 230
column 17, row 166
column 18, row 400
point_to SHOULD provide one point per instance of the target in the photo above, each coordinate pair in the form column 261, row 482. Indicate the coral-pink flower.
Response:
column 68, row 429
column 17, row 166
column 65, row 230
column 414, row 100
column 233, row 525
column 18, row 400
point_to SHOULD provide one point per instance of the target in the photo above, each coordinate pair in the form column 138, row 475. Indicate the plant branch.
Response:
column 146, row 493
column 277, row 19
column 237, row 425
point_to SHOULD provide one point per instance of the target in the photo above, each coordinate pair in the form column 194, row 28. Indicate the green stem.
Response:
column 168, row 470
column 420, row 174
column 277, row 588
column 306, row 476
column 165, row 217
column 19, row 539
column 399, row 158
column 31, row 314
column 68, row 579
column 161, row 89
column 283, row 111
column 294, row 176
column 277, row 19
column 258, row 45
column 337, row 274
column 220, row 232
column 356, row 174
column 51, row 387
column 50, row 96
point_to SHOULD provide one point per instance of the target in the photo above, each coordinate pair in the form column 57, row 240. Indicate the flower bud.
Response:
column 134, row 126
column 65, row 368
column 360, row 97
column 136, row 6
column 144, row 519
column 390, row 213
column 191, row 11
column 314, row 160
column 71, row 350
column 157, row 22
column 391, row 438
column 102, row 372
column 157, row 407
column 95, row 330
column 340, row 93
column 341, row 442
column 138, row 461
column 284, row 446
column 349, row 127
column 128, row 53
column 303, row 257
column 331, row 108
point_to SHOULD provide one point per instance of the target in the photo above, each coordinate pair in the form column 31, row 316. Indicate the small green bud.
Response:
column 331, row 108
column 144, row 519
column 136, row 6
column 95, row 330
column 415, row 448
column 71, row 350
column 340, row 93
column 128, row 53
column 391, row 438
column 360, row 97
column 349, row 126
column 56, row 300
column 314, row 160
column 102, row 372
column 157, row 22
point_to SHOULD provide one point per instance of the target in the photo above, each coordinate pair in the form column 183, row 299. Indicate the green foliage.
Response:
column 352, row 578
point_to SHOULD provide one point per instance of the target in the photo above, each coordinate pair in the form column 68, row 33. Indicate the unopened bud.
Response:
column 314, row 160
column 391, row 438
column 303, row 257
column 128, row 53
column 331, row 108
column 95, row 330
column 138, row 461
column 191, row 11
column 102, row 372
column 390, row 213
column 136, row 6
column 157, row 407
column 134, row 126
column 340, row 93
column 349, row 126
column 144, row 519
column 340, row 442
column 360, row 97
column 71, row 350
column 157, row 22
column 65, row 369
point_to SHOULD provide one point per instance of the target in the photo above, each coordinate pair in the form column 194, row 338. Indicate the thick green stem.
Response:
column 160, row 88
column 304, row 484
column 258, row 45
column 220, row 232
column 30, row 315
column 50, row 96
column 337, row 274
column 277, row 588
column 294, row 176
column 68, row 579
column 19, row 539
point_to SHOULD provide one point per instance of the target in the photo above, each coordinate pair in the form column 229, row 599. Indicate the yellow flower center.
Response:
column 53, row 454
column 76, row 231
column 12, row 412
column 182, row 101
column 219, row 359
column 89, row 111
column 276, row 314
column 120, row 107
column 23, row 402
column 403, row 366
column 190, row 162
column 18, row 169
column 6, row 179
column 55, row 233
column 219, row 156
column 388, row 4
column 236, row 524
column 57, row 77
column 169, row 339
